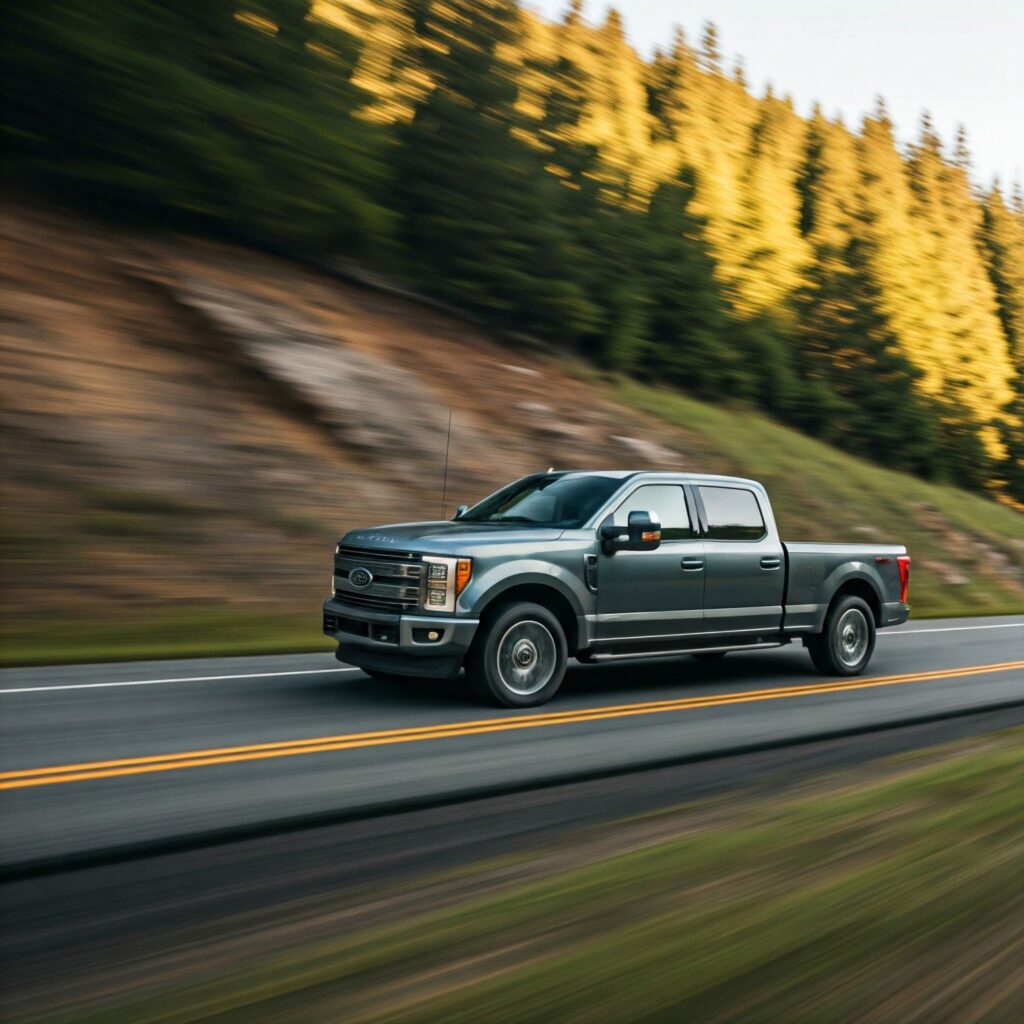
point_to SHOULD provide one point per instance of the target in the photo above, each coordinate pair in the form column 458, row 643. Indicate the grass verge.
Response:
column 888, row 893
column 194, row 632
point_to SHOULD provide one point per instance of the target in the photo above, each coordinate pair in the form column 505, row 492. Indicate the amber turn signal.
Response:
column 463, row 571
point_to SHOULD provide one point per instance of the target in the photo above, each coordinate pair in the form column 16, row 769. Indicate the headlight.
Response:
column 446, row 579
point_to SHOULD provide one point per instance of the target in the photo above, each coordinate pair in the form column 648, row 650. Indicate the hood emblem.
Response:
column 360, row 578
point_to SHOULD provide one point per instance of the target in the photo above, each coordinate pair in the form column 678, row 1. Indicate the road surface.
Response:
column 110, row 761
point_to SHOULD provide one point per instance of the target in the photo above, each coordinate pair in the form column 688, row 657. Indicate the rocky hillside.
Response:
column 190, row 426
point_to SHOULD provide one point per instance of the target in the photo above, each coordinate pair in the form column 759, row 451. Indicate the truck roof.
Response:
column 656, row 474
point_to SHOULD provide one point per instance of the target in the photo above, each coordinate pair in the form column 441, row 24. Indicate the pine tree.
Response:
column 710, row 50
column 690, row 327
column 974, row 372
column 961, row 152
column 672, row 77
column 475, row 197
column 618, row 120
column 185, row 111
column 768, row 240
column 1002, row 237
column 861, row 390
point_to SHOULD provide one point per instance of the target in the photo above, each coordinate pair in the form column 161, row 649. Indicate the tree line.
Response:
column 652, row 214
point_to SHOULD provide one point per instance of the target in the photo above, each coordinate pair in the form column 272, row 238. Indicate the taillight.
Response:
column 903, row 561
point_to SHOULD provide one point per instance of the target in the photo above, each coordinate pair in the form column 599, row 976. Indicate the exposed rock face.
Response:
column 971, row 551
column 649, row 453
column 376, row 407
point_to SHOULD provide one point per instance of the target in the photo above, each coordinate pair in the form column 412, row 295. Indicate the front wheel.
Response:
column 519, row 658
column 844, row 647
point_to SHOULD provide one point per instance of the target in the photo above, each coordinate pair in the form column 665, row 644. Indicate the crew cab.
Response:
column 603, row 566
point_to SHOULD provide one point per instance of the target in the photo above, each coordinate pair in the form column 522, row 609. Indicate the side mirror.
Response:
column 461, row 511
column 644, row 531
column 642, row 534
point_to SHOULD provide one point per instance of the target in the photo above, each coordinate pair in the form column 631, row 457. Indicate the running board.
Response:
column 675, row 652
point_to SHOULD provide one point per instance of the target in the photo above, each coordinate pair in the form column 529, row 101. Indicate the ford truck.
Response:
column 603, row 566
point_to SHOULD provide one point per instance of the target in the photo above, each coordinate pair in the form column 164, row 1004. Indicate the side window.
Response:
column 667, row 502
column 733, row 514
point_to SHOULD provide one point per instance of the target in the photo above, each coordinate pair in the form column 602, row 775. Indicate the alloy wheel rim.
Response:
column 853, row 634
column 527, row 657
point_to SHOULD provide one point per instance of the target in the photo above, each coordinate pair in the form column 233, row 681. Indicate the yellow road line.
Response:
column 54, row 774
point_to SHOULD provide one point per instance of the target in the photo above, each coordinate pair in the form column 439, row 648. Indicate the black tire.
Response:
column 844, row 647
column 711, row 655
column 519, row 656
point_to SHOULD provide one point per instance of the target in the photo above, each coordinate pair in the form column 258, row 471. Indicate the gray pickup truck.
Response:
column 600, row 566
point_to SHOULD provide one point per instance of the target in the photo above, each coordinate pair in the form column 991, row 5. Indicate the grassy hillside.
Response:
column 967, row 549
column 190, row 426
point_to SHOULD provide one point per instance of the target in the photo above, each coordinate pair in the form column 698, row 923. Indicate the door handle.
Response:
column 771, row 563
column 692, row 564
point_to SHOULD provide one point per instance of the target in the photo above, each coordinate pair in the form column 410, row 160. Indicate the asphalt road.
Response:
column 109, row 760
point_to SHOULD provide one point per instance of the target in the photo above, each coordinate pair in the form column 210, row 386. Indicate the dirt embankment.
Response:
column 189, row 423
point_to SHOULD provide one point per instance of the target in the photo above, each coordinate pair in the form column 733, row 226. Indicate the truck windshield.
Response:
column 563, row 500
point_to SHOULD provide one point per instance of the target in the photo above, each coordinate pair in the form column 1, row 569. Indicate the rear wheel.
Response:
column 844, row 647
column 519, row 660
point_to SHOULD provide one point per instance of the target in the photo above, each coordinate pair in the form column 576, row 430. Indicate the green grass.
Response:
column 888, row 893
column 195, row 631
column 821, row 493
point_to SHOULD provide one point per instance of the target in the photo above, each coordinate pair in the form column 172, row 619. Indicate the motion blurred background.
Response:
column 255, row 252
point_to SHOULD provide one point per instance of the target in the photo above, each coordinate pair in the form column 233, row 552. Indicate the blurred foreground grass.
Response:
column 887, row 893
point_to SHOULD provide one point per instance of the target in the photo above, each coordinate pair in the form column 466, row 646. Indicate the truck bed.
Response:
column 811, row 576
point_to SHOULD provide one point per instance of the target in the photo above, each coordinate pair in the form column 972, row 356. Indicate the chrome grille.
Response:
column 396, row 582
column 374, row 604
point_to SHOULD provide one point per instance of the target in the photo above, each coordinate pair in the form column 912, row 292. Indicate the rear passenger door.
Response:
column 745, row 575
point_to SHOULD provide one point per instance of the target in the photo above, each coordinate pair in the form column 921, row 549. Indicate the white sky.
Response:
column 961, row 60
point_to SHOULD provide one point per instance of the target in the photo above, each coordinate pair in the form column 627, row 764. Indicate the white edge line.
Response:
column 180, row 679
column 951, row 629
column 322, row 671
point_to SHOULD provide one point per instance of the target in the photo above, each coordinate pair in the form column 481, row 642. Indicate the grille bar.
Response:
column 381, row 604
column 376, row 555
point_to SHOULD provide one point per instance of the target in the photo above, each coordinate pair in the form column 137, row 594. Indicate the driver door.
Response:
column 653, row 595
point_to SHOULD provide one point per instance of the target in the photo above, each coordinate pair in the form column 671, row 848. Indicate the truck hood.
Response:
column 446, row 538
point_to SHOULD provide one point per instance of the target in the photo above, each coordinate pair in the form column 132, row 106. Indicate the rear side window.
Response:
column 667, row 502
column 733, row 514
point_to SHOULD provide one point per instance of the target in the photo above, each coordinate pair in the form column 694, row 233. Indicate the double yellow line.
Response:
column 54, row 774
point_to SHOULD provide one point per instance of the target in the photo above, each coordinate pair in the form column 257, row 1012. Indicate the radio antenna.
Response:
column 447, row 449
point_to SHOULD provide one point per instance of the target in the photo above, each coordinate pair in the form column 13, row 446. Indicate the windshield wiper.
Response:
column 516, row 519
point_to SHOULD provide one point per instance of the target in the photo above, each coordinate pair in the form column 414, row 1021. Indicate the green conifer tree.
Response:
column 474, row 195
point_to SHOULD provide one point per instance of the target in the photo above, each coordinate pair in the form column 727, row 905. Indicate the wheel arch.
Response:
column 862, row 587
column 548, row 596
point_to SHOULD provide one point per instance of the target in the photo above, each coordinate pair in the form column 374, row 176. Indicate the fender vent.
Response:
column 590, row 572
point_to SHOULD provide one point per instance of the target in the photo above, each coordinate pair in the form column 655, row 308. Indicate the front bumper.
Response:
column 400, row 644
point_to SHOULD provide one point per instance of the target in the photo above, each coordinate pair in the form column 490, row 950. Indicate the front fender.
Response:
column 493, row 582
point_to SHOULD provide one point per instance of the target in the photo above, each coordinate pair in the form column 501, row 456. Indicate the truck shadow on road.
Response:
column 736, row 671
column 603, row 683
